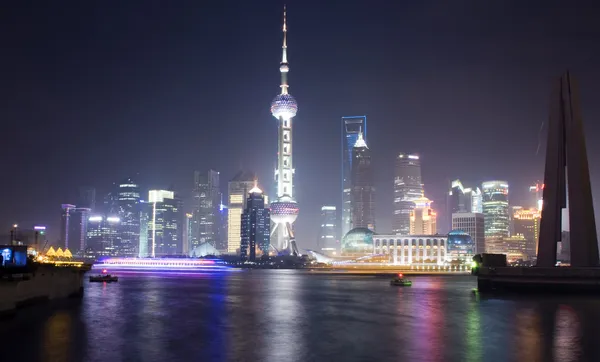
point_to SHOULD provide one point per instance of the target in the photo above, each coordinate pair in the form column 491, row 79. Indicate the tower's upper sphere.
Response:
column 284, row 106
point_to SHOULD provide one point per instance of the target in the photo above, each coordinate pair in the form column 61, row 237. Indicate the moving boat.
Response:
column 399, row 281
column 104, row 277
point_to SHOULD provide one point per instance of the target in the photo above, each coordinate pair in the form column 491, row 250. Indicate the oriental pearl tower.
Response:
column 284, row 210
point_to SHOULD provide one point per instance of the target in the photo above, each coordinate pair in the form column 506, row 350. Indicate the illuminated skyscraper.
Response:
column 363, row 189
column 205, row 223
column 238, row 191
column 65, row 227
column 423, row 218
column 284, row 210
column 495, row 209
column 166, row 224
column 407, row 189
column 255, row 226
column 472, row 224
column 526, row 222
column 128, row 210
column 328, row 242
column 536, row 197
column 351, row 127
column 102, row 236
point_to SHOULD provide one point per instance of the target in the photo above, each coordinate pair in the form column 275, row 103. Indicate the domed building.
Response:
column 358, row 242
column 460, row 245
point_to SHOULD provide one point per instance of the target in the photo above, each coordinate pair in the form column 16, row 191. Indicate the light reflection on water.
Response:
column 278, row 315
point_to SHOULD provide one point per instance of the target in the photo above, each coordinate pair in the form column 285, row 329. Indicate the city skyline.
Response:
column 495, row 106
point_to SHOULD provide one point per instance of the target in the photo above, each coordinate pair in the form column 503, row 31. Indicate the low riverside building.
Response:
column 412, row 249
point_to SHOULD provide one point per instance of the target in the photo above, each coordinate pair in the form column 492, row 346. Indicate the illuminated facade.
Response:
column 357, row 242
column 327, row 243
column 238, row 190
column 165, row 225
column 128, row 210
column 464, row 199
column 363, row 189
column 423, row 218
column 103, row 236
column 460, row 246
column 205, row 224
column 495, row 209
column 284, row 209
column 412, row 249
column 536, row 196
column 255, row 227
column 407, row 189
column 474, row 225
column 526, row 223
column 351, row 127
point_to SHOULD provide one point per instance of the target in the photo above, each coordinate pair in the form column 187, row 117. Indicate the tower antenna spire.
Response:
column 284, row 67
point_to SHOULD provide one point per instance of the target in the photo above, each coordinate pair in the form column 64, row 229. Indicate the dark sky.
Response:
column 93, row 92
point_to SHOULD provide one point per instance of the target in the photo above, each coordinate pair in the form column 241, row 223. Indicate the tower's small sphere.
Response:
column 284, row 106
column 284, row 211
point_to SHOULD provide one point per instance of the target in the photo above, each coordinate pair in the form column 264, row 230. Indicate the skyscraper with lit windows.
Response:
column 205, row 222
column 255, row 226
column 238, row 191
column 166, row 223
column 328, row 243
column 363, row 189
column 351, row 127
column 407, row 189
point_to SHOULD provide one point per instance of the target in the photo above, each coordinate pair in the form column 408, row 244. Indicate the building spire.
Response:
column 284, row 68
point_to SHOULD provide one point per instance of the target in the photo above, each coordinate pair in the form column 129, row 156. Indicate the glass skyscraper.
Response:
column 407, row 189
column 351, row 127
column 205, row 223
column 362, row 190
column 255, row 229
column 496, row 214
column 166, row 223
column 128, row 210
column 328, row 243
column 238, row 191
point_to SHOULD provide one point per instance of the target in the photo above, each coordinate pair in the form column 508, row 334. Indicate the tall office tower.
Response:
column 496, row 214
column 188, row 227
column 363, row 189
column 207, row 201
column 284, row 209
column 351, row 127
column 102, row 236
column 255, row 228
column 463, row 200
column 128, row 209
column 78, row 223
column 472, row 224
column 536, row 197
column 144, row 248
column 328, row 243
column 526, row 222
column 423, row 218
column 166, row 223
column 238, row 190
column 87, row 197
column 65, row 227
column 407, row 189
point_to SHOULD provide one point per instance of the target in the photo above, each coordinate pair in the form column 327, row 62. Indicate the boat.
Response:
column 104, row 277
column 399, row 281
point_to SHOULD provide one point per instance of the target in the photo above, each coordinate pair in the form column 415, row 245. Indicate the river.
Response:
column 291, row 315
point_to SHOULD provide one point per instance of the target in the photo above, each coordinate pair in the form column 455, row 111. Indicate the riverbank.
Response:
column 37, row 284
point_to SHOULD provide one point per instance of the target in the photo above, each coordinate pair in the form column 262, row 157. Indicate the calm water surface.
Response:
column 279, row 315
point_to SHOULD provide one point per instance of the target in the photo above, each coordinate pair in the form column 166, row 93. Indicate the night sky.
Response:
column 93, row 92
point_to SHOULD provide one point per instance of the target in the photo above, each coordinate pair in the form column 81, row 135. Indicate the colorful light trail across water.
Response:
column 162, row 265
